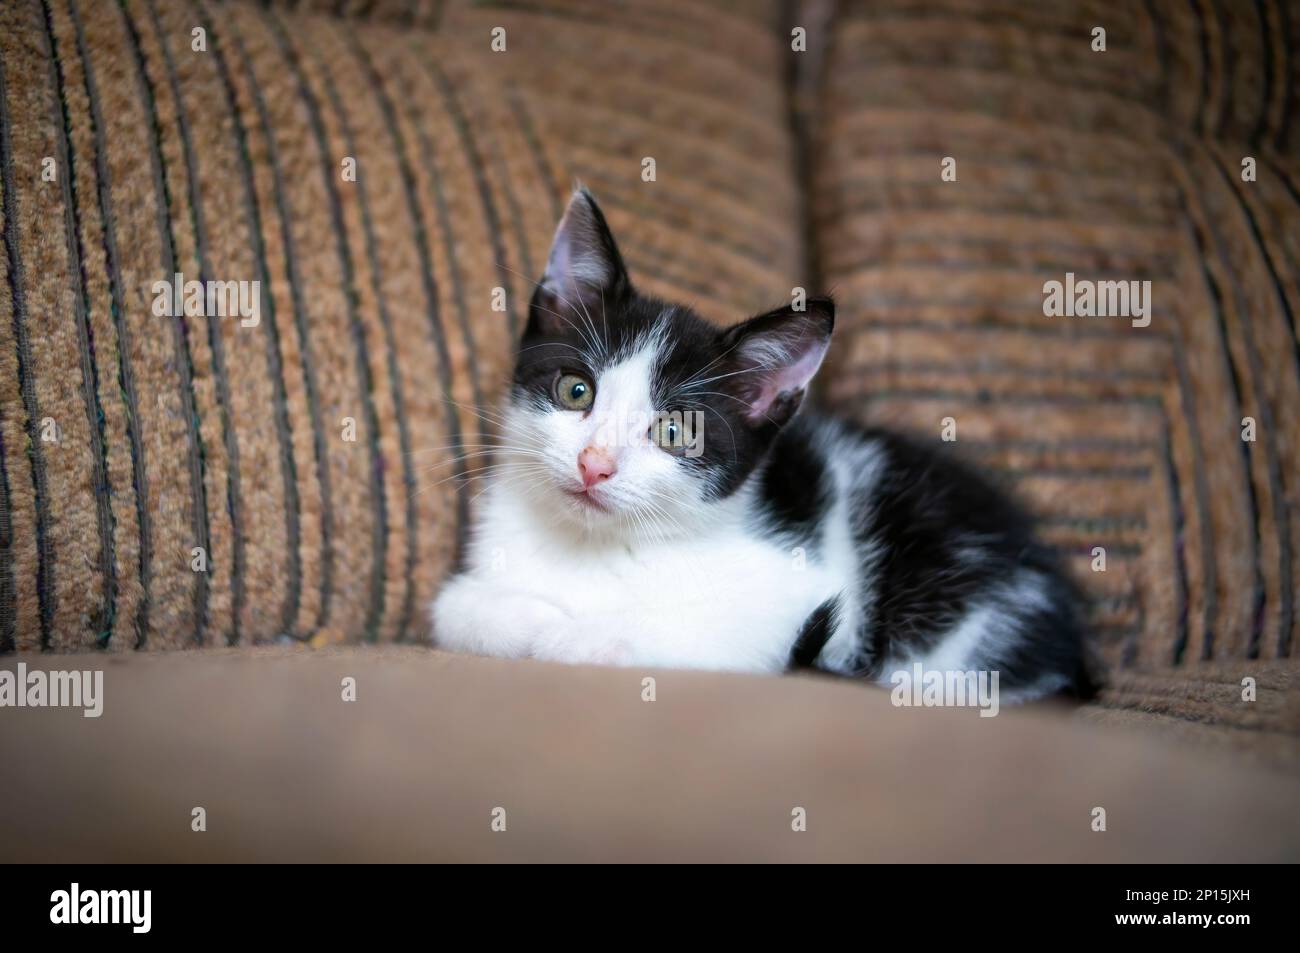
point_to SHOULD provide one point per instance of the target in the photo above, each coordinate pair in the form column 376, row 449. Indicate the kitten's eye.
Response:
column 574, row 392
column 668, row 434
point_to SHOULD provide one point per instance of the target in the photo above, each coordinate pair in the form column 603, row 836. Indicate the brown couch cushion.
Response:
column 227, row 164
column 1213, row 706
column 585, row 769
column 1123, row 164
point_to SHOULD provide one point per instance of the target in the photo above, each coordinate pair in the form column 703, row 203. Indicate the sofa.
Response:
column 231, row 509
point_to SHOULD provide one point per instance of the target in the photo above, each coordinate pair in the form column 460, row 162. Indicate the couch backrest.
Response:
column 170, row 482
column 1173, row 447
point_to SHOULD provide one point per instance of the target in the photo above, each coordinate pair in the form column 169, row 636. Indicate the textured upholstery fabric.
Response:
column 227, row 163
column 601, row 86
column 1115, row 165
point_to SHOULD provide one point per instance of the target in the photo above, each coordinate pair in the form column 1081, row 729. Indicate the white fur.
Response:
column 717, row 600
column 851, row 462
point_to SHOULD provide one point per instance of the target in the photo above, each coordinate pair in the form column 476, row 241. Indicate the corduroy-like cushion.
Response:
column 1115, row 165
column 699, row 86
column 311, row 457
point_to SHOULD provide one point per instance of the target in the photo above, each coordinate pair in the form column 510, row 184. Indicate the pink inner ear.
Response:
column 571, row 265
column 786, row 378
column 577, row 257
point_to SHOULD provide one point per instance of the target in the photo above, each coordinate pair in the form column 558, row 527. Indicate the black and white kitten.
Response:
column 657, row 502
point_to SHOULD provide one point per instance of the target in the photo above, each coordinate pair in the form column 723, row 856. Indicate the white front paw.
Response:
column 570, row 644
column 472, row 616
column 537, row 620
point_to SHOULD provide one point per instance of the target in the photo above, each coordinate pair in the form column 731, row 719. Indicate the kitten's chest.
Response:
column 721, row 580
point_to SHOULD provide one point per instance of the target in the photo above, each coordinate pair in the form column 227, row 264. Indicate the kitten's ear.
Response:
column 772, row 357
column 584, row 271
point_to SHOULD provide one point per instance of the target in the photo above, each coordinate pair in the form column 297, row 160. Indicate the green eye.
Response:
column 667, row 433
column 574, row 392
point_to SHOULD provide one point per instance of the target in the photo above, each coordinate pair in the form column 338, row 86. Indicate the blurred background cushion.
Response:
column 1117, row 165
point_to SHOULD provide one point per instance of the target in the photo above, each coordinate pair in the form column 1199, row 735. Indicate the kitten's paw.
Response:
column 571, row 644
column 536, row 619
column 482, row 618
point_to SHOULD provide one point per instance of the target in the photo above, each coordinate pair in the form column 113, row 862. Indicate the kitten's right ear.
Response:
column 584, row 271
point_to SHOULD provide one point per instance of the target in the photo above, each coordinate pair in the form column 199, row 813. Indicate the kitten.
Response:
column 656, row 501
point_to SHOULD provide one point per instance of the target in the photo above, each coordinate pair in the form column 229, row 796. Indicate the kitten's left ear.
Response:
column 772, row 357
column 584, row 271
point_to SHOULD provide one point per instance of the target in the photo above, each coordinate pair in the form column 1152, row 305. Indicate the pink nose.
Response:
column 595, row 465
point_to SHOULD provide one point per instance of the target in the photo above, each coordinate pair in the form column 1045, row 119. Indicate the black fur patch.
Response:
column 815, row 633
column 794, row 488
